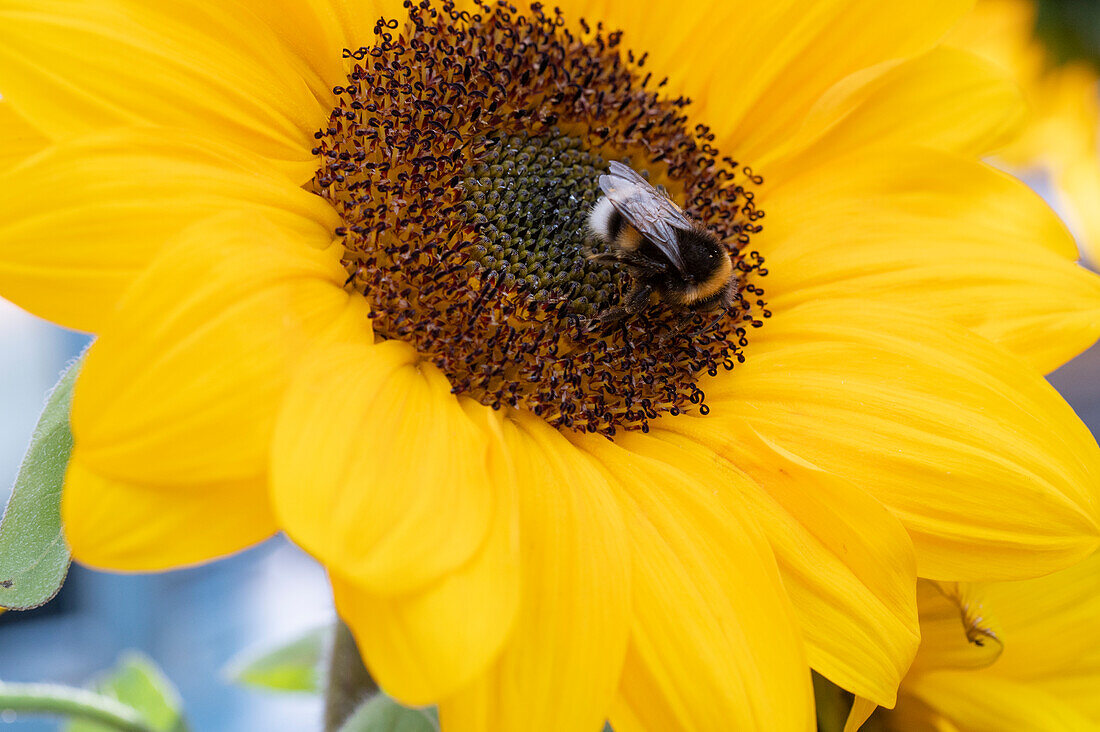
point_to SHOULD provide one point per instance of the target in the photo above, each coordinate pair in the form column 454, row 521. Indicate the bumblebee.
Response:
column 670, row 258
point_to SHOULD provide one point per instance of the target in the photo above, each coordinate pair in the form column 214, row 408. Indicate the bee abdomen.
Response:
column 605, row 221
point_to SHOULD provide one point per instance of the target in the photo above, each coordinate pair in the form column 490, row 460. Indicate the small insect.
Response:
column 670, row 258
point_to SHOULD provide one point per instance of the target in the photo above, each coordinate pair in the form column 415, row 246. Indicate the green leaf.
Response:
column 292, row 666
column 34, row 557
column 138, row 683
column 382, row 714
column 55, row 700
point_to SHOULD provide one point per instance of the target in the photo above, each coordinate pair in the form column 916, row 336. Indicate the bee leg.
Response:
column 641, row 264
column 711, row 324
column 636, row 301
column 604, row 257
column 725, row 300
column 635, row 262
column 674, row 331
column 638, row 298
column 611, row 317
column 681, row 328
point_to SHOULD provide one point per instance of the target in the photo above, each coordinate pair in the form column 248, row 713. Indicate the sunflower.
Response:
column 335, row 254
column 1061, row 135
column 1005, row 656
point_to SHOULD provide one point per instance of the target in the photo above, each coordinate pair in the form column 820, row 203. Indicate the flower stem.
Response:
column 70, row 702
column 349, row 683
column 832, row 704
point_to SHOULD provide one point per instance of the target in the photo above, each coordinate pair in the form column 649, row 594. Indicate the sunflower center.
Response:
column 464, row 156
column 528, row 200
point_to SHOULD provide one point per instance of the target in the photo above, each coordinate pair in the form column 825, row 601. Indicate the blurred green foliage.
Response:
column 138, row 683
column 291, row 666
column 382, row 714
column 1070, row 29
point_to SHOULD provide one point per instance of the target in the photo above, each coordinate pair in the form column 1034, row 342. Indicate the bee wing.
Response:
column 654, row 215
column 628, row 174
column 631, row 176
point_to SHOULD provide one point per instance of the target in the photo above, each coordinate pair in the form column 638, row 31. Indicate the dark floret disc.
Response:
column 463, row 155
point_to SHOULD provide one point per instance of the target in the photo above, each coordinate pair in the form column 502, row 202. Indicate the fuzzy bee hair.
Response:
column 670, row 257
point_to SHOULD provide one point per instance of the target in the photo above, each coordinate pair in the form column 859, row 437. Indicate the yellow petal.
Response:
column 1061, row 125
column 846, row 562
column 357, row 18
column 946, row 99
column 755, row 69
column 1078, row 190
column 714, row 641
column 861, row 711
column 986, row 703
column 18, row 139
column 424, row 646
column 317, row 31
column 377, row 471
column 1051, row 651
column 117, row 525
column 1078, row 689
column 937, row 233
column 998, row 29
column 959, row 627
column 1060, row 136
column 912, row 715
column 71, row 67
column 310, row 33
column 181, row 391
column 560, row 669
column 1062, row 606
column 789, row 53
column 81, row 220
column 992, row 474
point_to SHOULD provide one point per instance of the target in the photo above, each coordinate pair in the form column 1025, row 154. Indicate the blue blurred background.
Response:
column 192, row 622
